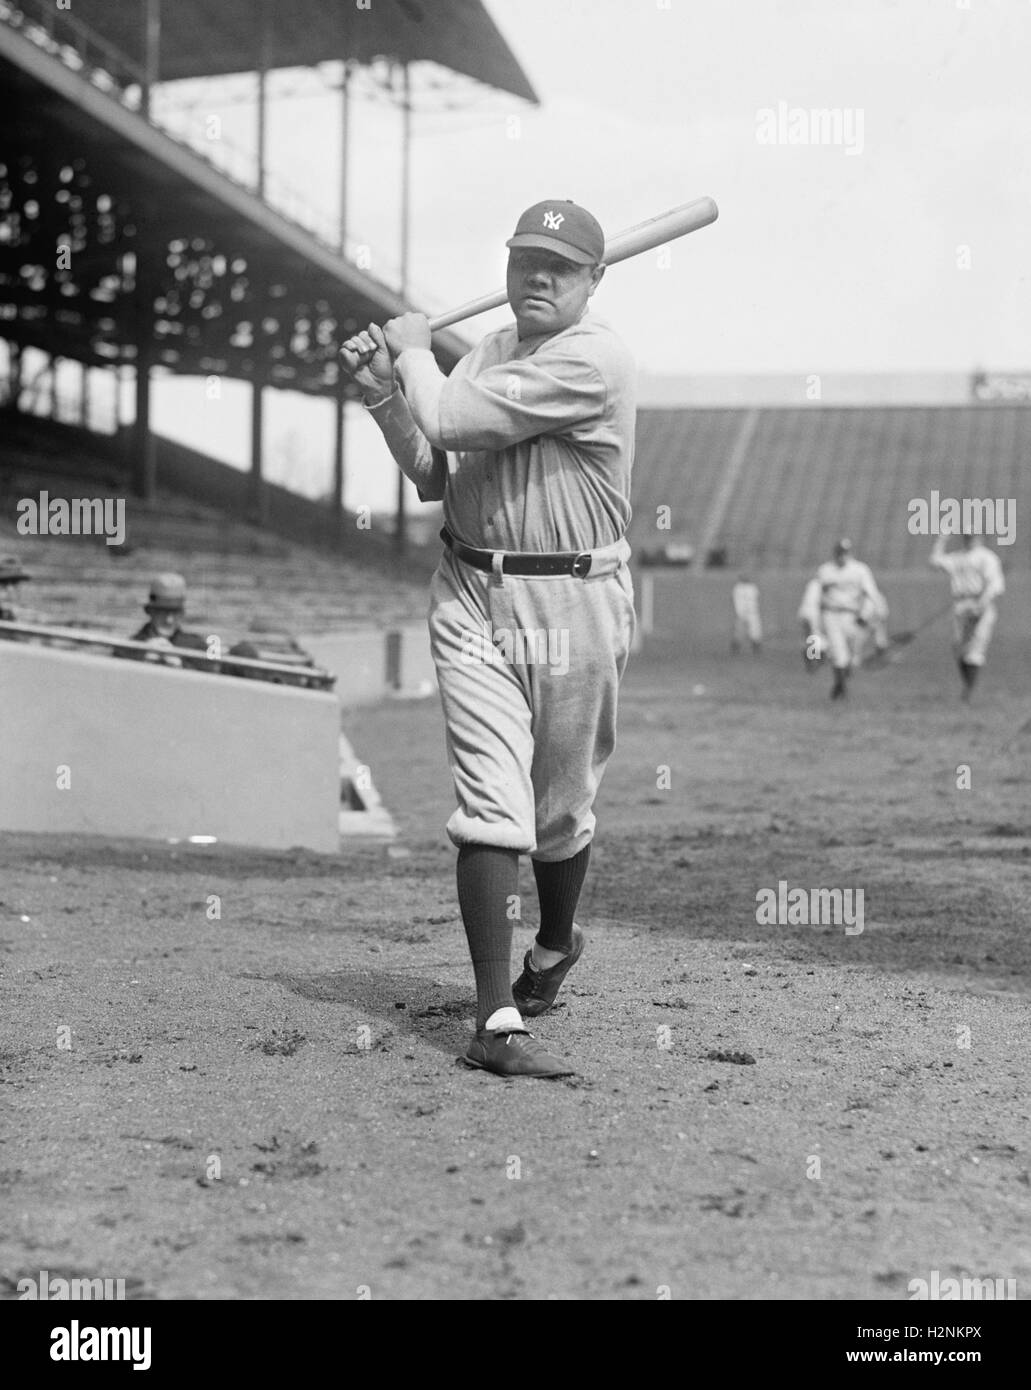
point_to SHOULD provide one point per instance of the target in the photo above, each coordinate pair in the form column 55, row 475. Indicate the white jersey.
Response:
column 745, row 598
column 847, row 588
column 809, row 609
column 974, row 574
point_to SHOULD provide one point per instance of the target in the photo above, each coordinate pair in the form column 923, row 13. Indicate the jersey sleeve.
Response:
column 549, row 393
column 995, row 584
column 413, row 453
column 939, row 558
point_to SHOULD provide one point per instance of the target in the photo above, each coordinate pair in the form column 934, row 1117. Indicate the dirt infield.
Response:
column 267, row 1103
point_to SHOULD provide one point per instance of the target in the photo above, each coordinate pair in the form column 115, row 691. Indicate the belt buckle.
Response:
column 582, row 565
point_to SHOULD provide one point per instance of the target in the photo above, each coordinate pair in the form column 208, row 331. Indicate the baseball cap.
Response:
column 168, row 591
column 844, row 544
column 562, row 226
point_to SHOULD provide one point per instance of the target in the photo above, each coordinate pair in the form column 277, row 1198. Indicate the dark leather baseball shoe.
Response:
column 513, row 1054
column 536, row 990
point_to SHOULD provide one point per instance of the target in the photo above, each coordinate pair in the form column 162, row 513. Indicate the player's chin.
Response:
column 536, row 314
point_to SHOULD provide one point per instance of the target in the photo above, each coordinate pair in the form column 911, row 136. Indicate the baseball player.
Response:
column 744, row 599
column 975, row 575
column 836, row 608
column 529, row 442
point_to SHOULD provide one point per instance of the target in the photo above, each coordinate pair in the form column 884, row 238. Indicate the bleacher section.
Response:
column 813, row 473
column 242, row 580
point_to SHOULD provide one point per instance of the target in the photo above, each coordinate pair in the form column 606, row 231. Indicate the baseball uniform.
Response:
column 744, row 598
column 529, row 443
column 848, row 596
column 975, row 576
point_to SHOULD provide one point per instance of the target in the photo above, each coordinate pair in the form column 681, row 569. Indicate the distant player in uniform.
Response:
column 814, row 644
column 975, row 575
column 529, row 443
column 744, row 599
column 836, row 609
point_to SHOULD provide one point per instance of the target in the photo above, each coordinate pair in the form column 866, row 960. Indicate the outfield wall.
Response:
column 164, row 754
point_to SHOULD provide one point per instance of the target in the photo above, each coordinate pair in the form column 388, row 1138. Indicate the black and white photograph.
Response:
column 515, row 668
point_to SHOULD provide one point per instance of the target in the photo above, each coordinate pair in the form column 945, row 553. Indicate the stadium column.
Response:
column 15, row 370
column 151, row 52
column 144, row 452
column 345, row 147
column 259, row 497
column 339, row 450
column 264, row 47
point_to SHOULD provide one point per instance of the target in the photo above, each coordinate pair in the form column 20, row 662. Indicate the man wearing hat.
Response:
column 529, row 443
column 165, row 608
column 11, row 573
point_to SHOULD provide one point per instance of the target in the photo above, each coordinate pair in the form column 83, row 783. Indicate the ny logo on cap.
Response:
column 554, row 220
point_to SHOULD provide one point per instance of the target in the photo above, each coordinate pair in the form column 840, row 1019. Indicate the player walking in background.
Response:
column 529, row 443
column 975, row 574
column 744, row 599
column 836, row 608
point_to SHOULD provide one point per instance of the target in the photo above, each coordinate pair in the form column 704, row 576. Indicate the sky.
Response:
column 896, row 237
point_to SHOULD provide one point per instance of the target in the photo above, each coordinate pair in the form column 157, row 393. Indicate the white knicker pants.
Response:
column 843, row 634
column 529, row 673
column 971, row 632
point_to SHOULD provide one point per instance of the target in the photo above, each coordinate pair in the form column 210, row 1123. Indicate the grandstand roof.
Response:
column 83, row 169
column 205, row 38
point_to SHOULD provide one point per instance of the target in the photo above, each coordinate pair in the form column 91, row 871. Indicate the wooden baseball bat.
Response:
column 656, row 231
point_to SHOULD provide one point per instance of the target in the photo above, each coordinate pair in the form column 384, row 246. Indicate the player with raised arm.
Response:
column 529, row 444
column 975, row 575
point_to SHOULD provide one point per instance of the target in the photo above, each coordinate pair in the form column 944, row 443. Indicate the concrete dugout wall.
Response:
column 360, row 659
column 164, row 754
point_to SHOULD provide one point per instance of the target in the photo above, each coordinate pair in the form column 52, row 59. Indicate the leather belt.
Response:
column 577, row 564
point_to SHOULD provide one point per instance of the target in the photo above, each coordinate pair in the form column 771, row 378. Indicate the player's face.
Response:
column 548, row 293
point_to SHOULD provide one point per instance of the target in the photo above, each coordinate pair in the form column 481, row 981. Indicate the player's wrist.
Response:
column 373, row 398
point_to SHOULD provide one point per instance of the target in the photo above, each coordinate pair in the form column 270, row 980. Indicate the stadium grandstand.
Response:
column 133, row 247
column 137, row 244
column 130, row 240
column 769, row 487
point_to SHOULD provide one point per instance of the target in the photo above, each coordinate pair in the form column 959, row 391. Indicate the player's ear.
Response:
column 596, row 278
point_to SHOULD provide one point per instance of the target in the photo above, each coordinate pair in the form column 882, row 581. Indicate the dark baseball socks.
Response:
column 488, row 886
column 558, row 890
column 969, row 674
